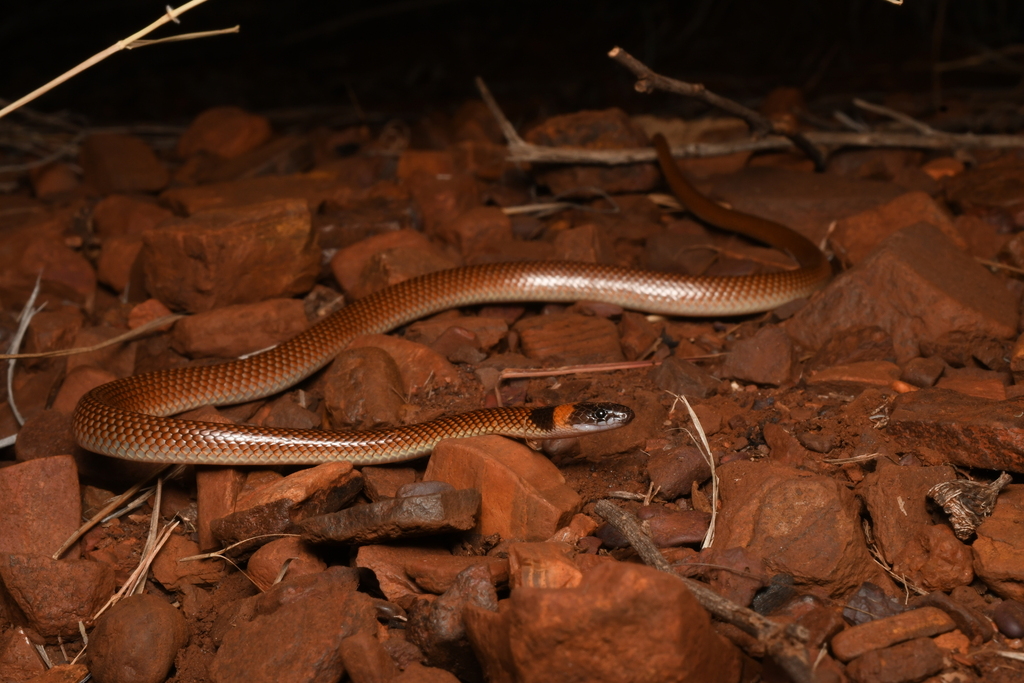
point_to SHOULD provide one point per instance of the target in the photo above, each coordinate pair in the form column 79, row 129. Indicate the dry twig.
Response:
column 139, row 331
column 24, row 319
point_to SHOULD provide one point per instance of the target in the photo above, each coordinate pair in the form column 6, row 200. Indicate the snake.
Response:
column 132, row 417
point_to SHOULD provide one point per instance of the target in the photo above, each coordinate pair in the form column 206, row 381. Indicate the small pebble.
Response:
column 1009, row 618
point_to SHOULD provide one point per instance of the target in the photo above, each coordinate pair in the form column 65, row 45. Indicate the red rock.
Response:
column 232, row 256
column 396, row 518
column 123, row 215
column 417, row 673
column 422, row 368
column 853, row 345
column 233, row 331
column 176, row 575
column 437, row 573
column 999, row 547
column 916, row 623
column 459, row 345
column 524, row 494
column 389, row 564
column 607, row 129
column 297, row 631
column 438, row 629
column 946, row 420
column 118, row 359
column 927, row 555
column 51, row 331
column 911, row 661
column 38, row 248
column 62, row 673
column 266, row 563
column 78, row 382
column 765, row 358
column 441, row 197
column 637, row 335
column 648, row 625
column 117, row 261
column 225, row 131
column 943, row 167
column 274, row 508
column 112, row 162
column 806, row 202
column 384, row 482
column 391, row 266
column 286, row 412
column 146, row 312
column 136, row 640
column 39, row 505
column 671, row 528
column 311, row 189
column 983, row 238
column 217, row 489
column 992, row 388
column 54, row 181
column 489, row 331
column 674, row 470
column 586, row 243
column 542, row 565
column 569, row 338
column 19, row 659
column 856, row 376
column 348, row 263
column 923, row 372
column 857, row 236
column 366, row 660
column 918, row 287
column 475, row 229
column 683, row 378
column 1009, row 617
column 819, row 542
column 993, row 192
column 53, row 596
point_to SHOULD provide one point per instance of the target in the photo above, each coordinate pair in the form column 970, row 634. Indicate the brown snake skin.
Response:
column 128, row 419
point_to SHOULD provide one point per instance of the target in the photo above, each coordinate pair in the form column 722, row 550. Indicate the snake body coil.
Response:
column 128, row 419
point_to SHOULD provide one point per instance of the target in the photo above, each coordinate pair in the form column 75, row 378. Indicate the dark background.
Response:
column 539, row 57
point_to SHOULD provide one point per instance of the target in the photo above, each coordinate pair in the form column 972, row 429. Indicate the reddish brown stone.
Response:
column 117, row 261
column 569, row 338
column 37, row 250
column 311, row 189
column 51, row 331
column 112, row 162
column 999, row 547
column 225, row 131
column 39, row 505
column 489, row 331
column 348, row 264
column 122, row 215
column 146, row 312
column 765, row 358
column 136, row 640
column 174, row 574
column 384, row 482
column 857, row 236
column 19, row 659
column 475, row 229
column 897, row 500
column 62, row 673
column 945, row 421
column 918, row 287
column 232, row 331
column 683, row 378
column 54, row 181
column 993, row 388
column 586, row 243
column 923, row 372
column 819, row 542
column 391, row 266
column 674, row 470
column 389, row 564
column 911, row 661
column 524, row 495
column 856, row 376
column 118, row 359
column 296, row 632
column 78, row 382
column 436, row 574
column 643, row 620
column 396, row 518
column 917, row 623
column 217, row 488
column 265, row 565
column 542, row 565
column 442, row 197
column 422, row 368
column 232, row 256
column 274, row 508
column 366, row 660
column 53, row 596
column 995, row 192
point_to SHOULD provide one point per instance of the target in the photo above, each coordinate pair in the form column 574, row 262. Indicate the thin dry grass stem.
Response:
column 997, row 264
column 876, row 555
column 154, row 526
column 705, row 450
column 171, row 15
column 856, row 458
column 1019, row 656
column 541, row 208
column 107, row 509
column 284, row 570
column 185, row 36
column 43, row 656
column 27, row 313
column 922, row 128
column 139, row 331
column 219, row 554
column 575, row 369
column 138, row 502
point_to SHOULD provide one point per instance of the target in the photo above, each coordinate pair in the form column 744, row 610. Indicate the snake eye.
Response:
column 600, row 414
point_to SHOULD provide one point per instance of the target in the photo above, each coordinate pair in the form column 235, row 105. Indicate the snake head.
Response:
column 598, row 417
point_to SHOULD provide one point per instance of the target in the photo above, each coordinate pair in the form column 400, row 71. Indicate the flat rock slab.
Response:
column 918, row 287
column 962, row 430
column 999, row 547
column 396, row 518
